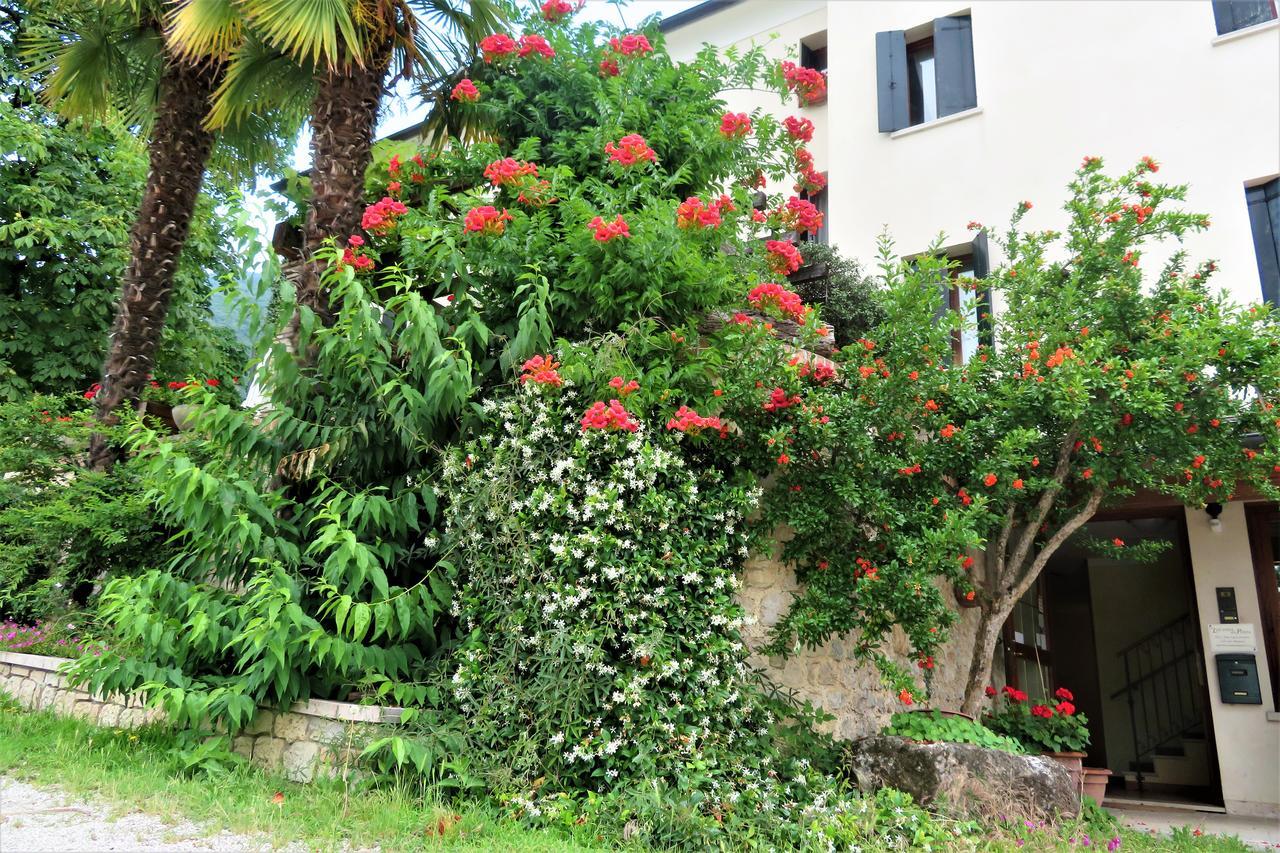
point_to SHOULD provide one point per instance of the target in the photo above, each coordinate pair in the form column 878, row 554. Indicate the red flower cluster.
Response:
column 692, row 212
column 630, row 150
column 769, row 294
column 606, row 231
column 1148, row 165
column 486, row 219
column 630, row 45
column 735, row 125
column 690, row 422
column 465, row 91
column 1066, row 709
column 509, row 172
column 801, row 129
column 624, row 387
column 352, row 256
column 1060, row 355
column 821, row 373
column 380, row 217
column 783, row 257
column 1064, row 694
column 497, row 46
column 811, row 180
column 1014, row 694
column 555, row 10
column 541, row 370
column 1140, row 212
column 800, row 215
column 93, row 391
column 613, row 417
column 609, row 67
column 533, row 43
column 779, row 400
column 1041, row 711
column 809, row 84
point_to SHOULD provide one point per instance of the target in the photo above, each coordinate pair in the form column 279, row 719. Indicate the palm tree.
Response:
column 351, row 47
column 113, row 56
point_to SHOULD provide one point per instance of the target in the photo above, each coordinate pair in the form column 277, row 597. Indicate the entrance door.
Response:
column 1123, row 637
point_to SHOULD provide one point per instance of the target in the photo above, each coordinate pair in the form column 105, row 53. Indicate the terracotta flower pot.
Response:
column 1074, row 764
column 1095, row 783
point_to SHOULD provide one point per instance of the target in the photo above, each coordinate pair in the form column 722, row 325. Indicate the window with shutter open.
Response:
column 1264, row 222
column 926, row 78
column 1232, row 15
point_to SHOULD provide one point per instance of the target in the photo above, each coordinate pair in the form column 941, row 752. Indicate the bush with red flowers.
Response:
column 1047, row 726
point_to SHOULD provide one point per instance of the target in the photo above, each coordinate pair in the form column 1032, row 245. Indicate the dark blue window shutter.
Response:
column 891, row 80
column 981, row 254
column 953, row 64
column 1264, row 221
column 1232, row 15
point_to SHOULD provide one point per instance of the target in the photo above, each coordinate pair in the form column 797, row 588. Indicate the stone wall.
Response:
column 314, row 738
column 830, row 677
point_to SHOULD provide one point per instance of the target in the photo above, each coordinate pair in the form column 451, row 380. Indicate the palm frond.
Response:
column 318, row 32
column 205, row 28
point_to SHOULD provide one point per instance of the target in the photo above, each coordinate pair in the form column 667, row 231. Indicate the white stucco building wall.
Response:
column 1055, row 81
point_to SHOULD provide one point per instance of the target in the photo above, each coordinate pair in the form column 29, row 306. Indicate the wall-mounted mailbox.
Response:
column 1238, row 679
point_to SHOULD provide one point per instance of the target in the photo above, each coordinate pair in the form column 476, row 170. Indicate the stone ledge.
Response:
column 46, row 663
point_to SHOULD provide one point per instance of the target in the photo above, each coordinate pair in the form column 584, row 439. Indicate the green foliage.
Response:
column 68, row 196
column 933, row 726
column 844, row 292
column 65, row 531
column 896, row 471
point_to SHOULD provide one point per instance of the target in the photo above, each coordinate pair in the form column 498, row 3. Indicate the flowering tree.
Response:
column 896, row 469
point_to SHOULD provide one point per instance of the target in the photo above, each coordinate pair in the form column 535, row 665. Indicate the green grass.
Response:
column 139, row 770
column 136, row 770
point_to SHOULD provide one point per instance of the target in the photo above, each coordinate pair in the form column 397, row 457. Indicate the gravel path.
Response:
column 46, row 820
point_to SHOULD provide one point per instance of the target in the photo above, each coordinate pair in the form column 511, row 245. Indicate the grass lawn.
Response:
column 138, row 770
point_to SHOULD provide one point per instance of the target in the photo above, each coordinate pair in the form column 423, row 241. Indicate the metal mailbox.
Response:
column 1238, row 679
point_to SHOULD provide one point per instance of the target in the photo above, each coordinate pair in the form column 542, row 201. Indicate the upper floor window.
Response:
column 963, row 294
column 925, row 73
column 1232, row 15
column 813, row 51
column 1264, row 221
column 819, row 200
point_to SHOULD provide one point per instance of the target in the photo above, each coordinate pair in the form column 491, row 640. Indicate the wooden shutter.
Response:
column 953, row 64
column 1264, row 221
column 981, row 254
column 1232, row 15
column 1224, row 15
column 891, row 80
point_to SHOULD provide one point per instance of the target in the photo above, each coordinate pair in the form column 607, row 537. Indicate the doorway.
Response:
column 1124, row 637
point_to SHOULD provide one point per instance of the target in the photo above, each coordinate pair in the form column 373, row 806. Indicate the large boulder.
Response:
column 966, row 780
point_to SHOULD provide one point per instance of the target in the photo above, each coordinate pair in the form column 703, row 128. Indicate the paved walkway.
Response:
column 1257, row 831
column 46, row 820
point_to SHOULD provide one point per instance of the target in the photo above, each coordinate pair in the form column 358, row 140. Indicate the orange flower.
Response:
column 989, row 480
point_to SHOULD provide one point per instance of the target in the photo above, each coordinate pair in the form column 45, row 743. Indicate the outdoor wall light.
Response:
column 1214, row 510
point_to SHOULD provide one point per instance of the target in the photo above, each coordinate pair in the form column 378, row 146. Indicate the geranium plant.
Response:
column 1053, row 727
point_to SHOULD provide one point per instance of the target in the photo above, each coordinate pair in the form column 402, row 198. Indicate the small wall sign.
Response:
column 1232, row 638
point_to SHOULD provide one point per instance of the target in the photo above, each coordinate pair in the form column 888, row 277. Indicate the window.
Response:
column 1264, row 220
column 963, row 294
column 813, row 51
column 819, row 200
column 926, row 77
column 1027, row 660
column 1232, row 15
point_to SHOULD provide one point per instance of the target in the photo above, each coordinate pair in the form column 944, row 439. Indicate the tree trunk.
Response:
column 984, row 644
column 344, row 116
column 179, row 150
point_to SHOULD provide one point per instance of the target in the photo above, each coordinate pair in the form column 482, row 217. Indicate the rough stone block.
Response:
column 242, row 745
column 299, row 760
column 268, row 752
column 26, row 692
column 291, row 727
column 109, row 716
column 326, row 731
column 261, row 724
column 966, row 780
column 86, row 710
column 773, row 606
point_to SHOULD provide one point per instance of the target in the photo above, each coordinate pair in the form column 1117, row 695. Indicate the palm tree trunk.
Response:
column 179, row 150
column 343, row 119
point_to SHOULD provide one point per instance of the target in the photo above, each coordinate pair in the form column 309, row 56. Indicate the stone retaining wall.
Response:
column 830, row 677
column 314, row 738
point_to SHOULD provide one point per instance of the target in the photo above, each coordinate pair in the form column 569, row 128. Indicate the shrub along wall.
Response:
column 314, row 738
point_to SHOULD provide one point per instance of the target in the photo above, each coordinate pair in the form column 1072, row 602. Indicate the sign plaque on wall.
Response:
column 1232, row 638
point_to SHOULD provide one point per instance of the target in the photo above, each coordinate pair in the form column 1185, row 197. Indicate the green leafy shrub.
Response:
column 66, row 531
column 841, row 288
column 934, row 727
